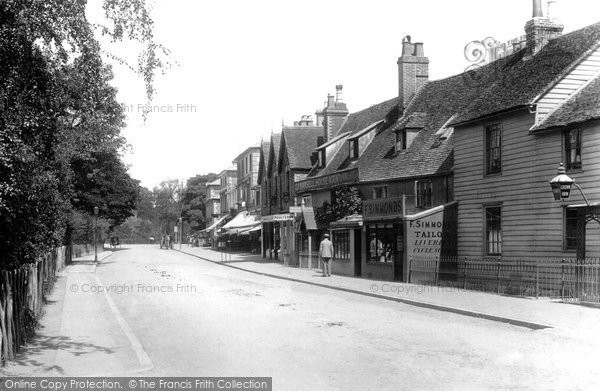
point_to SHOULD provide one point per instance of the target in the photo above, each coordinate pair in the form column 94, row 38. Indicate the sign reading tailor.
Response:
column 324, row 182
column 424, row 236
column 385, row 207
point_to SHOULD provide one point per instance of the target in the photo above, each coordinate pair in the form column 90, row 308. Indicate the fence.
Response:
column 22, row 293
column 567, row 279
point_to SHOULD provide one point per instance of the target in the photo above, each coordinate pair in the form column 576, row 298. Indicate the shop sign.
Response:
column 384, row 207
column 295, row 209
column 424, row 235
column 281, row 217
column 328, row 181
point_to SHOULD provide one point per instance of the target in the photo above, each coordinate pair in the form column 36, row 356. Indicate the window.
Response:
column 341, row 244
column 353, row 149
column 570, row 242
column 493, row 230
column 380, row 192
column 573, row 149
column 400, row 140
column 382, row 239
column 423, row 194
column 322, row 158
column 493, row 149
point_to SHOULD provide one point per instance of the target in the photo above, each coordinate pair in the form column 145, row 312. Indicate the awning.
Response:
column 215, row 224
column 241, row 221
column 348, row 222
column 257, row 228
column 308, row 214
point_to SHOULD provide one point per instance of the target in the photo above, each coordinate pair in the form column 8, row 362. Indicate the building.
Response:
column 213, row 210
column 247, row 180
column 228, row 191
column 536, row 108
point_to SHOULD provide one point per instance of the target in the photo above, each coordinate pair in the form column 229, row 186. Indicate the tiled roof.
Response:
column 361, row 119
column 582, row 107
column 299, row 143
column 355, row 123
column 428, row 154
column 516, row 81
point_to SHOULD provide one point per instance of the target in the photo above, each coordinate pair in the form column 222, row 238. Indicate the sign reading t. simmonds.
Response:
column 327, row 181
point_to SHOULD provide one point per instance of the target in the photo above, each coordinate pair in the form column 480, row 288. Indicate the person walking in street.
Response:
column 326, row 253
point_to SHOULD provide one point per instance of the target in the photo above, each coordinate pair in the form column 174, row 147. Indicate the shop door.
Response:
column 357, row 253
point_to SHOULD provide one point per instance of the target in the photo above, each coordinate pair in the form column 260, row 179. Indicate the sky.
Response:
column 245, row 67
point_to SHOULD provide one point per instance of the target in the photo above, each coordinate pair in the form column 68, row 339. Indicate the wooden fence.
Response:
column 22, row 293
column 566, row 279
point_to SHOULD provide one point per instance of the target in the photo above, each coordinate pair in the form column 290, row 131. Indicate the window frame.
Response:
column 425, row 195
column 487, row 148
column 486, row 230
column 566, row 236
column 384, row 192
column 572, row 166
column 341, row 244
column 400, row 133
column 353, row 149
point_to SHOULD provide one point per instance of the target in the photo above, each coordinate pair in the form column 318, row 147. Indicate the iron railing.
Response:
column 566, row 279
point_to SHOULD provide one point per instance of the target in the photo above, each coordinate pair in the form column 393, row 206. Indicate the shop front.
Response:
column 346, row 236
column 383, row 253
column 278, row 232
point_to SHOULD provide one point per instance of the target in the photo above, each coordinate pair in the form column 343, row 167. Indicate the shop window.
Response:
column 382, row 239
column 493, row 230
column 424, row 194
column 341, row 244
column 380, row 192
column 570, row 242
column 573, row 149
column 493, row 149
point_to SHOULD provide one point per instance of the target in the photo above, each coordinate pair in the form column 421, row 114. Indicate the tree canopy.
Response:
column 60, row 121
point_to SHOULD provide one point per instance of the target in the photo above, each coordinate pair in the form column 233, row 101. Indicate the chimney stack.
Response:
column 333, row 115
column 540, row 30
column 413, row 70
column 330, row 102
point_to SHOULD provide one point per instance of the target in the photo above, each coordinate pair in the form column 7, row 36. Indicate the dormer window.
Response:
column 400, row 140
column 322, row 160
column 353, row 149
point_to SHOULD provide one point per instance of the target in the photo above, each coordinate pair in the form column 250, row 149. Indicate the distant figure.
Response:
column 326, row 253
column 170, row 241
column 151, row 239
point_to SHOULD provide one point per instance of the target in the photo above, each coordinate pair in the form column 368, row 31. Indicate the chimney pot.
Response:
column 330, row 101
column 538, row 12
column 338, row 93
column 419, row 52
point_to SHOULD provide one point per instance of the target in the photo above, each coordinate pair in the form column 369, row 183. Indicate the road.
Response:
column 153, row 312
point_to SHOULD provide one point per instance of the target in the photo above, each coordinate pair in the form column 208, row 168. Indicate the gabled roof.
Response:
column 582, row 107
column 272, row 161
column 516, row 81
column 265, row 149
column 299, row 143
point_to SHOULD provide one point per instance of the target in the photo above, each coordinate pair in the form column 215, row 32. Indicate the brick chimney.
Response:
column 413, row 70
column 333, row 114
column 540, row 30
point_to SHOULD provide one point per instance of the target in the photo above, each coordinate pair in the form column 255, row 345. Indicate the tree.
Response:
column 346, row 201
column 194, row 200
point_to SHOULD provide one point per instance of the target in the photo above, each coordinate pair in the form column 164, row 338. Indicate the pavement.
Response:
column 531, row 313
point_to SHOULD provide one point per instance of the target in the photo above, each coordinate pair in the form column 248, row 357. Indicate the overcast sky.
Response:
column 244, row 66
